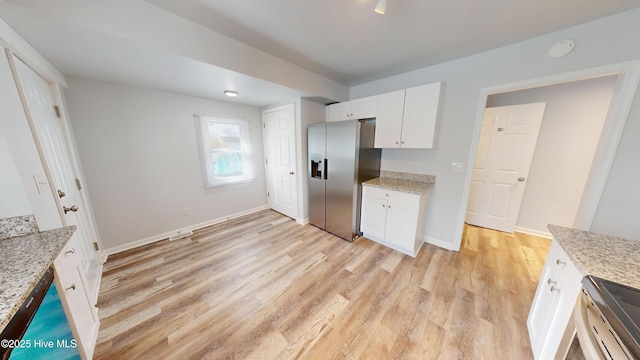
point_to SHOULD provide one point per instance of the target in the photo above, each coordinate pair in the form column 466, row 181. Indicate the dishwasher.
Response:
column 39, row 329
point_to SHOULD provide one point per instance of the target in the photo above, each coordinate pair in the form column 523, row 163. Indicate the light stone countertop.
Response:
column 404, row 182
column 612, row 258
column 24, row 261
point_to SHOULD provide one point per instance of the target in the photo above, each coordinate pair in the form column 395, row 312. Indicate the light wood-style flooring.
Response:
column 264, row 287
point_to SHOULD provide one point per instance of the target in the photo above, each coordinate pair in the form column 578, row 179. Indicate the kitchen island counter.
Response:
column 608, row 257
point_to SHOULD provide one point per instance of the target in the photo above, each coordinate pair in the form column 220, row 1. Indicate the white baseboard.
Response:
column 302, row 221
column 544, row 234
column 391, row 245
column 152, row 239
column 440, row 243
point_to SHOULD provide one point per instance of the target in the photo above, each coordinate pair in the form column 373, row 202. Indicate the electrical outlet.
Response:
column 457, row 167
column 185, row 211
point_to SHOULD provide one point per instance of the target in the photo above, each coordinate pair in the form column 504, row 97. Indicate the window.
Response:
column 226, row 151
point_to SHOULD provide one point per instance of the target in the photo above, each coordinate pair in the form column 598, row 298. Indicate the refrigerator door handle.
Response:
column 326, row 174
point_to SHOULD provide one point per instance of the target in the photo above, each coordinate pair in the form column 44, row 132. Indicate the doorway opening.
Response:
column 623, row 79
column 538, row 178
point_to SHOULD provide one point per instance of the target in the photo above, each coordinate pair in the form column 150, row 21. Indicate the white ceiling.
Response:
column 340, row 40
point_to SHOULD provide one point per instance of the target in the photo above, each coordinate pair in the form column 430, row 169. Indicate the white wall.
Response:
column 311, row 112
column 13, row 196
column 19, row 148
column 139, row 151
column 598, row 43
column 619, row 210
column 562, row 160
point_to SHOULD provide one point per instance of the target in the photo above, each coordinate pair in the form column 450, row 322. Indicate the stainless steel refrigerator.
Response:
column 341, row 156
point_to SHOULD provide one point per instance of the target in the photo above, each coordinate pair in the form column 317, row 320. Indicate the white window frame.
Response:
column 206, row 151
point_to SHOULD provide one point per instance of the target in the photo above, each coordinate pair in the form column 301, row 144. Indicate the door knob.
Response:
column 73, row 208
column 520, row 179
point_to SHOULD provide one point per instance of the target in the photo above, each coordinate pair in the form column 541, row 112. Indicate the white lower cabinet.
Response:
column 393, row 218
column 550, row 321
column 81, row 314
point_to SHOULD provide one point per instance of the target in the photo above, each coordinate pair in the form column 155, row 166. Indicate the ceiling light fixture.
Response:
column 231, row 93
column 562, row 48
column 381, row 7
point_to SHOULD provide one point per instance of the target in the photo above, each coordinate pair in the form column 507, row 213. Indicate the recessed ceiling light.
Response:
column 231, row 93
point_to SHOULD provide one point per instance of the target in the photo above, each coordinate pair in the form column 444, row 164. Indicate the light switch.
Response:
column 42, row 185
column 457, row 167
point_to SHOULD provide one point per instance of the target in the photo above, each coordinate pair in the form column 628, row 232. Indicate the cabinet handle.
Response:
column 555, row 289
column 72, row 251
column 551, row 282
column 383, row 205
column 72, row 287
column 396, row 143
column 401, row 142
column 389, row 206
column 558, row 262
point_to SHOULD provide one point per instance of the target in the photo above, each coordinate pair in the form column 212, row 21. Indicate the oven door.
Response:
column 597, row 339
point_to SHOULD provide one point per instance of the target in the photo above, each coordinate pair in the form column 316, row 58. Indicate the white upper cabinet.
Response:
column 389, row 120
column 408, row 118
column 351, row 110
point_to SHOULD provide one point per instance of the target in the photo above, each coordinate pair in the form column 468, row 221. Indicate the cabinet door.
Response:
column 389, row 120
column 81, row 315
column 364, row 108
column 339, row 111
column 373, row 214
column 402, row 219
column 550, row 314
column 420, row 117
column 543, row 310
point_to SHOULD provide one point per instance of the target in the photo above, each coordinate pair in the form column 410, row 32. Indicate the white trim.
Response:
column 289, row 106
column 440, row 243
column 25, row 52
column 544, row 234
column 628, row 71
column 74, row 157
column 304, row 221
column 155, row 238
column 619, row 108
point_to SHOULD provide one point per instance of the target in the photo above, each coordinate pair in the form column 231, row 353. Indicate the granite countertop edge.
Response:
column 608, row 257
column 26, row 259
column 408, row 186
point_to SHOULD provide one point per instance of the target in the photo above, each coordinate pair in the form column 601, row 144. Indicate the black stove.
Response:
column 620, row 305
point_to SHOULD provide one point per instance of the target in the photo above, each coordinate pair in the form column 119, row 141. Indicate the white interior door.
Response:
column 53, row 147
column 280, row 160
column 505, row 150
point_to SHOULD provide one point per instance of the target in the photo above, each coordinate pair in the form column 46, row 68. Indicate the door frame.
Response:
column 288, row 106
column 624, row 93
column 58, row 98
